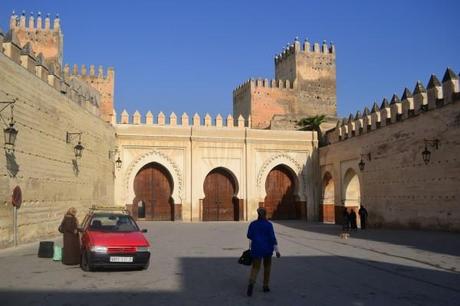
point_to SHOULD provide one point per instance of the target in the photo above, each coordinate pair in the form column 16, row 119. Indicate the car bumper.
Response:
column 140, row 259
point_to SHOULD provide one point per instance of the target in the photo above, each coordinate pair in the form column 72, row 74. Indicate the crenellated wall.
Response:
column 304, row 85
column 184, row 120
column 103, row 83
column 396, row 185
column 47, row 106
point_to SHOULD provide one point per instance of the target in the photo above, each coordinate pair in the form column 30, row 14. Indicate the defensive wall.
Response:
column 47, row 105
column 191, row 147
column 401, row 184
column 304, row 85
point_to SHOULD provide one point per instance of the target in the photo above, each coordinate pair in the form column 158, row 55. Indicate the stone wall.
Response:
column 189, row 150
column 43, row 164
column 396, row 186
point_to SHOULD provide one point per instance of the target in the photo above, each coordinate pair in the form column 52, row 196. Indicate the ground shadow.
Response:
column 433, row 241
column 306, row 280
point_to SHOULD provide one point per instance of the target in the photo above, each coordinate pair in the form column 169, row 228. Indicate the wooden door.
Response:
column 219, row 203
column 280, row 200
column 153, row 186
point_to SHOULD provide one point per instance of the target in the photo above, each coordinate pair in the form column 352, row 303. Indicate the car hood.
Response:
column 117, row 239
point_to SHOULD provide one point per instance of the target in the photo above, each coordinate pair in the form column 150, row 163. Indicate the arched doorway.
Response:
column 220, row 202
column 328, row 202
column 153, row 188
column 280, row 201
column 351, row 192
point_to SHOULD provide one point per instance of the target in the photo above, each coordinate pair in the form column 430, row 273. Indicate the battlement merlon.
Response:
column 83, row 72
column 44, row 39
column 306, row 63
column 296, row 47
column 421, row 100
column 102, row 82
column 264, row 83
column 32, row 24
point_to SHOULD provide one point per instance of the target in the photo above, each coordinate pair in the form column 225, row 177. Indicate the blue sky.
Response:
column 189, row 55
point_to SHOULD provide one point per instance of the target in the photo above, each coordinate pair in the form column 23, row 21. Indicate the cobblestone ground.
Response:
column 195, row 264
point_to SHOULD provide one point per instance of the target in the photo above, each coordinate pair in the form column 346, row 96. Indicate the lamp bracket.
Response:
column 434, row 143
column 69, row 136
column 113, row 153
column 367, row 155
column 5, row 104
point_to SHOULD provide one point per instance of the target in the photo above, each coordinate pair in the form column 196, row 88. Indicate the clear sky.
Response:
column 189, row 55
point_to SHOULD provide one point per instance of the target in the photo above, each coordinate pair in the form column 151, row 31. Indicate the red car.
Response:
column 112, row 238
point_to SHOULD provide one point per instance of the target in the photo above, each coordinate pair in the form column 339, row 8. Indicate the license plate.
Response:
column 120, row 259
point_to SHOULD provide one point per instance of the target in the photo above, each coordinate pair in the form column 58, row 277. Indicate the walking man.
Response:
column 363, row 216
column 262, row 244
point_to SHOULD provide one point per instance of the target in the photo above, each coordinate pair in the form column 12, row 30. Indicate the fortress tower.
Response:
column 43, row 38
column 49, row 41
column 304, row 85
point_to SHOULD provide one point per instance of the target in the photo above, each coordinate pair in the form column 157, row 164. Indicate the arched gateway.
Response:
column 220, row 202
column 280, row 201
column 153, row 188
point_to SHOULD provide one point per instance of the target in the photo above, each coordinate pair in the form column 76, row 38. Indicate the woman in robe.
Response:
column 69, row 227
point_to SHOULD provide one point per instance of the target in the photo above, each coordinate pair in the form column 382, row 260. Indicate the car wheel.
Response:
column 85, row 263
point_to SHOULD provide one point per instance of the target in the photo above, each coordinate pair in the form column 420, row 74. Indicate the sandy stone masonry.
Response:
column 304, row 85
column 48, row 104
column 396, row 186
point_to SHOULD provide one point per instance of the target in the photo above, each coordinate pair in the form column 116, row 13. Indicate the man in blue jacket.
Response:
column 263, row 243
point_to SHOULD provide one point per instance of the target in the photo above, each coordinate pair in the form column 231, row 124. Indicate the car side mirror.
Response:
column 144, row 230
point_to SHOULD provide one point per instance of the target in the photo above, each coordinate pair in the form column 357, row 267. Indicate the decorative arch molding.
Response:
column 272, row 162
column 162, row 159
column 231, row 172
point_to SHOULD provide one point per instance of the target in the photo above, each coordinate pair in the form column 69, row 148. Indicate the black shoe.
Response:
column 266, row 289
column 250, row 288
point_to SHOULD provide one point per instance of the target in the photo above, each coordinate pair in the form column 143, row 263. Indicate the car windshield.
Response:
column 112, row 223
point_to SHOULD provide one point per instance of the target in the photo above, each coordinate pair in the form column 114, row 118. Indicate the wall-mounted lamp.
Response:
column 118, row 161
column 426, row 154
column 78, row 147
column 10, row 131
column 361, row 163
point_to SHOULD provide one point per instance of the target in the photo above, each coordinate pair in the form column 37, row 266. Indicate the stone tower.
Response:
column 48, row 41
column 304, row 85
column 43, row 38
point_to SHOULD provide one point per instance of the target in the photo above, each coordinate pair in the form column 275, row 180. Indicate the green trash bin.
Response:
column 57, row 254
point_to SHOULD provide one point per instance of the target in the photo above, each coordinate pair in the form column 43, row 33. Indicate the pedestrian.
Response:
column 71, row 245
column 346, row 220
column 363, row 216
column 262, row 244
column 352, row 216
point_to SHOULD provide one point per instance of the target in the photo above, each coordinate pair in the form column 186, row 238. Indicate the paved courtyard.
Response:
column 195, row 264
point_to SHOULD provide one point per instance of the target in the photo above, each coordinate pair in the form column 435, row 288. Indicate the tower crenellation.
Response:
column 45, row 39
column 304, row 85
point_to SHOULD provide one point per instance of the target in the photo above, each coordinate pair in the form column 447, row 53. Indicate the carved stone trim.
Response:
column 164, row 160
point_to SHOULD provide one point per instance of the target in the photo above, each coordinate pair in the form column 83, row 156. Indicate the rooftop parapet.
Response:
column 33, row 24
column 173, row 120
column 411, row 104
column 324, row 49
column 265, row 83
column 83, row 72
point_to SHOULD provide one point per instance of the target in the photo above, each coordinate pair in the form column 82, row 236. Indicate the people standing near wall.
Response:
column 346, row 220
column 353, row 223
column 69, row 227
column 262, row 244
column 363, row 216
